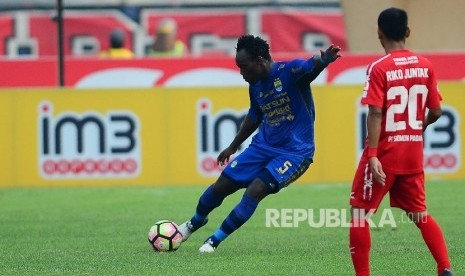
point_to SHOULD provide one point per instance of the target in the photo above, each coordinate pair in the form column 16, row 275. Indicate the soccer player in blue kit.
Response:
column 281, row 106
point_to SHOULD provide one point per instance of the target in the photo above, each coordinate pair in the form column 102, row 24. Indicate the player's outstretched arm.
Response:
column 322, row 60
column 328, row 56
column 247, row 128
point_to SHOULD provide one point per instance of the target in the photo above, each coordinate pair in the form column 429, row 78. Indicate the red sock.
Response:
column 434, row 239
column 360, row 245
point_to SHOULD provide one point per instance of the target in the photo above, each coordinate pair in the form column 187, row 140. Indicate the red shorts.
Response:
column 406, row 191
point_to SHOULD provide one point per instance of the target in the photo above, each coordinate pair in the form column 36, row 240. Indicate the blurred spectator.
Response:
column 117, row 49
column 166, row 43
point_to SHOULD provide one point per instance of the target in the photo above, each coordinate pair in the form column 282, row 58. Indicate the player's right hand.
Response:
column 223, row 157
column 377, row 171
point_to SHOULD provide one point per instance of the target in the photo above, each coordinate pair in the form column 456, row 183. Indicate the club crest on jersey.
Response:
column 278, row 85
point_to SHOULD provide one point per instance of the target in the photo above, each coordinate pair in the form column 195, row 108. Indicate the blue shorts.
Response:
column 255, row 161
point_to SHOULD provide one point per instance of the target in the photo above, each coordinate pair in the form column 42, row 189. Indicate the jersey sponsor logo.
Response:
column 215, row 131
column 405, row 60
column 88, row 145
column 278, row 110
column 405, row 138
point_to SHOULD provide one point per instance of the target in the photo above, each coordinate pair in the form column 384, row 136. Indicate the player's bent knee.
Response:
column 270, row 183
column 257, row 190
column 224, row 186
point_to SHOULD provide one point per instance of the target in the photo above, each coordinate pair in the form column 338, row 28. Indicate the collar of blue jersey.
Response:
column 274, row 70
column 272, row 73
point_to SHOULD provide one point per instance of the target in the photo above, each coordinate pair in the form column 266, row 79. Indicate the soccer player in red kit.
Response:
column 401, row 86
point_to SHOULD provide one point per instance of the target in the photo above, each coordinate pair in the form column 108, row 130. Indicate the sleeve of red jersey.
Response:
column 434, row 98
column 374, row 88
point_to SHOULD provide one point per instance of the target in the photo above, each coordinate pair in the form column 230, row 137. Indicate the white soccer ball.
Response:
column 164, row 236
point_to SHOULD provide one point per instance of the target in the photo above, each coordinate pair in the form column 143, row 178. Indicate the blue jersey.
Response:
column 283, row 104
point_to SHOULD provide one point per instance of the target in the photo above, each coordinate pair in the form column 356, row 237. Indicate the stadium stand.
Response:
column 114, row 3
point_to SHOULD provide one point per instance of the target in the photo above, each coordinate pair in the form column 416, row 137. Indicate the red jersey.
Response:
column 403, row 84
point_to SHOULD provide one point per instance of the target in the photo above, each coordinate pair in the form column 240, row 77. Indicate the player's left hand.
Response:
column 330, row 54
column 377, row 171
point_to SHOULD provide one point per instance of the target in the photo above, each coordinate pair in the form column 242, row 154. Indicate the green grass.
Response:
column 103, row 231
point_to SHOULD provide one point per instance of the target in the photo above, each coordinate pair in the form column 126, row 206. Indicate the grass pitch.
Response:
column 103, row 231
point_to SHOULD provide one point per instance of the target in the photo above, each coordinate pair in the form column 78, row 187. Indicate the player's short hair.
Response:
column 393, row 22
column 255, row 46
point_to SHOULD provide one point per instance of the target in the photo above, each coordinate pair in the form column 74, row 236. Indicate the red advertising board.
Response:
column 191, row 71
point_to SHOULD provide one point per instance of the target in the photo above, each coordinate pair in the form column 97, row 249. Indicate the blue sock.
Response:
column 207, row 202
column 238, row 216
